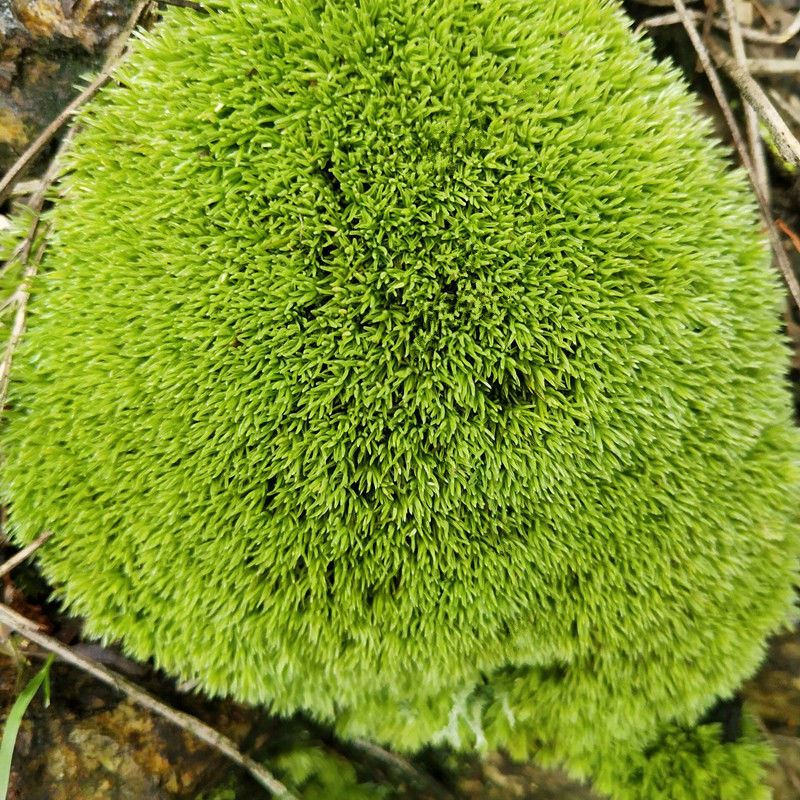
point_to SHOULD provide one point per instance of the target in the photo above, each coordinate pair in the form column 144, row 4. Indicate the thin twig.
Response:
column 663, row 20
column 785, row 106
column 185, row 4
column 748, row 34
column 773, row 66
column 28, row 629
column 23, row 554
column 761, row 37
column 791, row 31
column 795, row 239
column 781, row 257
column 43, row 139
column 785, row 140
column 401, row 764
column 20, row 298
column 119, row 45
column 710, row 16
column 23, row 253
column 750, row 114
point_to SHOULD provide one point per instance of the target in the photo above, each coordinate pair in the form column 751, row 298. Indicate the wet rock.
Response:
column 92, row 744
column 46, row 48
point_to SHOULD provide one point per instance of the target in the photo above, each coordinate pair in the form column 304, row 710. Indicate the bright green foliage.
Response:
column 314, row 774
column 14, row 720
column 691, row 764
column 388, row 349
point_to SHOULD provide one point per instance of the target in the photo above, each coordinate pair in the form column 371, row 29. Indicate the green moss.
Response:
column 689, row 764
column 315, row 774
column 417, row 365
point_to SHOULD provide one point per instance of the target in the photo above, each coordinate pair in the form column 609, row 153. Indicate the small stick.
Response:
column 781, row 257
column 20, row 298
column 749, row 34
column 795, row 239
column 750, row 114
column 29, row 630
column 26, row 552
column 773, row 66
column 23, row 254
column 785, row 140
column 401, row 764
column 662, row 20
column 43, row 139
column 791, row 31
column 185, row 4
column 785, row 106
column 22, row 294
column 710, row 16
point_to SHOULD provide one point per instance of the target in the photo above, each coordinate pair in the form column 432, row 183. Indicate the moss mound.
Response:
column 417, row 365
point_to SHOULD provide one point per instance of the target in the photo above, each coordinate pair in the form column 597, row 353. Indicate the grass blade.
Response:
column 15, row 719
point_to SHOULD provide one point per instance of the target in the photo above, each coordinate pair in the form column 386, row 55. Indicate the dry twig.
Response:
column 187, row 722
column 20, row 299
column 748, row 34
column 402, row 765
column 23, row 255
column 26, row 552
column 773, row 66
column 185, row 4
column 785, row 140
column 789, row 33
column 760, row 171
column 23, row 252
column 785, row 106
column 781, row 257
column 663, row 20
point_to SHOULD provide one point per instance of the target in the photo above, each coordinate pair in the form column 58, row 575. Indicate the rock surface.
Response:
column 46, row 47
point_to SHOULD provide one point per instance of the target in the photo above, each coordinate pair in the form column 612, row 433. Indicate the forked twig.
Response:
column 29, row 630
column 761, row 173
column 781, row 257
column 749, row 34
column 785, row 140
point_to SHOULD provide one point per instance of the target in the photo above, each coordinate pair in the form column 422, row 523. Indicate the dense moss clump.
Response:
column 417, row 365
